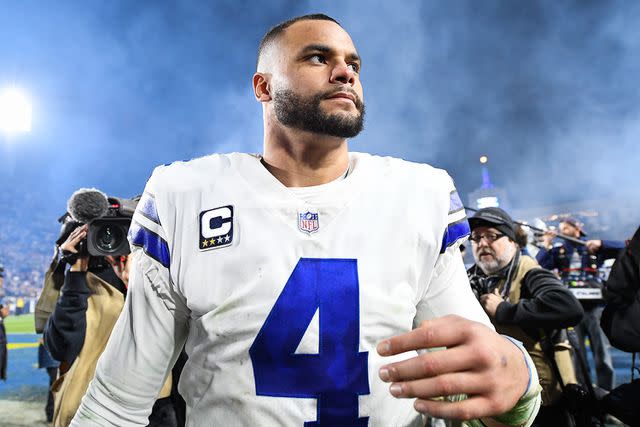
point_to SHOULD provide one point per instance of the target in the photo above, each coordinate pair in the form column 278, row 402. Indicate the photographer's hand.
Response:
column 593, row 246
column 547, row 239
column 490, row 303
column 76, row 236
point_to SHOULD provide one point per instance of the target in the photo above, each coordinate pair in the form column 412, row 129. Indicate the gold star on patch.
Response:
column 204, row 243
column 212, row 241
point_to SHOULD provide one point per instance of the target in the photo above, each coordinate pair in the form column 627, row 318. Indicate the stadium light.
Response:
column 488, row 202
column 484, row 159
column 15, row 111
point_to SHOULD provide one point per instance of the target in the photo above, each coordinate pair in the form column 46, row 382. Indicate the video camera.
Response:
column 108, row 234
column 109, row 219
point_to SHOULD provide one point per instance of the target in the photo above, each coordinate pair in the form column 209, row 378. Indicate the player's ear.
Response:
column 261, row 87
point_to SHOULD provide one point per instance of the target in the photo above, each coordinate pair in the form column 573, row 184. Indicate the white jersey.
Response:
column 281, row 295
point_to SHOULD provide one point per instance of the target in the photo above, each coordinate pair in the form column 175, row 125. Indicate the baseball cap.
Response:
column 496, row 218
column 574, row 222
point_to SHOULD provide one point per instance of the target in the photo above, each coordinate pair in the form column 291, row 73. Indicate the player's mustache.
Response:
column 347, row 89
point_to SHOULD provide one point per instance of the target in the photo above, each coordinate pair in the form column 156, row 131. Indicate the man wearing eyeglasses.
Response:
column 522, row 300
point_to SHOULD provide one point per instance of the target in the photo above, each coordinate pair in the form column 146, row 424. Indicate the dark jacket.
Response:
column 544, row 303
column 559, row 257
column 3, row 351
column 45, row 360
column 65, row 330
column 621, row 317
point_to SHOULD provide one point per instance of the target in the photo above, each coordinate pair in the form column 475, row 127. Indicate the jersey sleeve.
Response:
column 149, row 333
column 448, row 290
column 457, row 230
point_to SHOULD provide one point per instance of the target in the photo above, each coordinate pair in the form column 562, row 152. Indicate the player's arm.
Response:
column 495, row 375
column 481, row 373
column 146, row 339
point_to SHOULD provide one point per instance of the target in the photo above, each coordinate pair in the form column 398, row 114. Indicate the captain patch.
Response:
column 216, row 228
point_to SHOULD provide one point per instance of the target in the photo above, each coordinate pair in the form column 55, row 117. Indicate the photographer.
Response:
column 90, row 302
column 525, row 302
column 578, row 266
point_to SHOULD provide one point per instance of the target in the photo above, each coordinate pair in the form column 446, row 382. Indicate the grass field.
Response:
column 22, row 324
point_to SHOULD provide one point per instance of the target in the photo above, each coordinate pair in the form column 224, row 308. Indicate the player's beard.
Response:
column 302, row 113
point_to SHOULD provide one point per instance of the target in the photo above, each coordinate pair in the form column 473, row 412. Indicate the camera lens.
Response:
column 109, row 237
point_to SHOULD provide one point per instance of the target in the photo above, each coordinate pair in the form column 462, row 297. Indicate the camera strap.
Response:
column 507, row 281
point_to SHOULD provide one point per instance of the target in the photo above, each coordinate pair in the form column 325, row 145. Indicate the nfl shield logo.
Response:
column 308, row 222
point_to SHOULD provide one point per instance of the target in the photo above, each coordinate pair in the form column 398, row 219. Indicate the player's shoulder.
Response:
column 185, row 175
column 396, row 169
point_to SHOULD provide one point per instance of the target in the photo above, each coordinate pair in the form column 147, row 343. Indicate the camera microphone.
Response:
column 87, row 204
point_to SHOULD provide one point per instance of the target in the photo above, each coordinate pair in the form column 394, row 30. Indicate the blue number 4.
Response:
column 338, row 374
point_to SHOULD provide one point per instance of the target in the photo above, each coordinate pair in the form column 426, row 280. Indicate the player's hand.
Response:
column 490, row 302
column 593, row 246
column 477, row 361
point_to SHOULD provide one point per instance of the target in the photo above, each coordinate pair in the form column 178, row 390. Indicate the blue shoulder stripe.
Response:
column 147, row 207
column 455, row 204
column 152, row 244
column 455, row 232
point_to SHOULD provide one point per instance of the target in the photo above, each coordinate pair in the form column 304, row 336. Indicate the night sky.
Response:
column 548, row 90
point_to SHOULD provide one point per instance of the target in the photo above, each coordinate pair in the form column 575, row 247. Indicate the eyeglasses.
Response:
column 489, row 237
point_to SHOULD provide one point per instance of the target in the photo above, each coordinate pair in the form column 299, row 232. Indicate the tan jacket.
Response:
column 104, row 306
column 551, row 390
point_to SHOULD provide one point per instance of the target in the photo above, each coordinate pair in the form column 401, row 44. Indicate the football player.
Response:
column 308, row 281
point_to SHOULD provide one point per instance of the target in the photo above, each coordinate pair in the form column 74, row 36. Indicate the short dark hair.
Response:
column 276, row 31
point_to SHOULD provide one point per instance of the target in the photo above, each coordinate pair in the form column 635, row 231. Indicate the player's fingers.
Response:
column 447, row 331
column 428, row 365
column 468, row 409
column 443, row 385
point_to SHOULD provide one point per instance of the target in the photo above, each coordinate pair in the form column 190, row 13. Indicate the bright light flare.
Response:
column 15, row 111
column 484, row 159
column 488, row 202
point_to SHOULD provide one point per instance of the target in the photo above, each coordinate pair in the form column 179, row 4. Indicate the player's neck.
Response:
column 304, row 159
